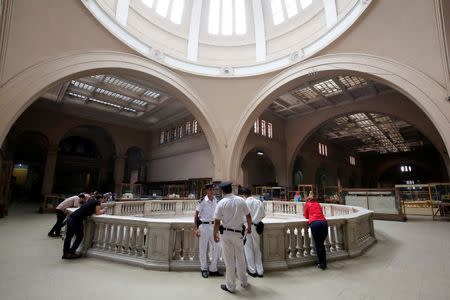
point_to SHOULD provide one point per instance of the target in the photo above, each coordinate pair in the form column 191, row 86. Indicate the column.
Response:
column 49, row 172
column 143, row 170
column 119, row 169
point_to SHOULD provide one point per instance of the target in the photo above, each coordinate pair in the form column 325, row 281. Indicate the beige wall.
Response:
column 180, row 160
column 42, row 30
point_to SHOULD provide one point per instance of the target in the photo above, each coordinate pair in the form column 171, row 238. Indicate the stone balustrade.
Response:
column 160, row 234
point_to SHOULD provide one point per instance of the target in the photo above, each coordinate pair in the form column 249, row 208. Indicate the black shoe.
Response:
column 260, row 275
column 321, row 266
column 224, row 287
column 205, row 274
column 215, row 274
column 68, row 256
column 251, row 274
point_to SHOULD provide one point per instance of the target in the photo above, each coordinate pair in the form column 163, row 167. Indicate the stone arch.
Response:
column 77, row 130
column 424, row 91
column 320, row 121
column 268, row 157
column 23, row 89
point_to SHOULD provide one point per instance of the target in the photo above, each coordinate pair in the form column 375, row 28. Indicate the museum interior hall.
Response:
column 345, row 101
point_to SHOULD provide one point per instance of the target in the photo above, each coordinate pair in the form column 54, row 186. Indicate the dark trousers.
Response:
column 74, row 227
column 319, row 230
column 56, row 229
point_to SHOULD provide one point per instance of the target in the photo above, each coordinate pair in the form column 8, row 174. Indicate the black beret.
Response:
column 209, row 186
column 225, row 184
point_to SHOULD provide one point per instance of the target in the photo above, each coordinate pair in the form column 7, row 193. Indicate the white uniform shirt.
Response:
column 231, row 210
column 206, row 209
column 256, row 208
column 73, row 201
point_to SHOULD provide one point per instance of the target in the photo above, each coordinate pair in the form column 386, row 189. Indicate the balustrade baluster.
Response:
column 332, row 236
column 298, row 242
column 139, row 240
column 289, row 249
column 126, row 239
column 101, row 234
column 118, row 245
column 112, row 238
column 106, row 236
column 306, row 242
column 339, row 238
column 132, row 240
column 95, row 242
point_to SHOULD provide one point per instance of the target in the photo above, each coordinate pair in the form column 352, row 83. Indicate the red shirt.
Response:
column 313, row 212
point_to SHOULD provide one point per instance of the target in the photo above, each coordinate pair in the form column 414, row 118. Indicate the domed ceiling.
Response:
column 227, row 37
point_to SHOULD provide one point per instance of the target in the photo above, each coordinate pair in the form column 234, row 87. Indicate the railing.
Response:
column 170, row 244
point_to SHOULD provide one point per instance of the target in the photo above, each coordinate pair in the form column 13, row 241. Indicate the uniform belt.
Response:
column 210, row 222
column 234, row 230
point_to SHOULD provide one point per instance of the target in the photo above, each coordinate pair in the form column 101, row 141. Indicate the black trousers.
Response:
column 74, row 227
column 56, row 229
column 319, row 230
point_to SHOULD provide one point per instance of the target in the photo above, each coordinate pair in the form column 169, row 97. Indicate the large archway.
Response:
column 426, row 93
column 258, row 168
column 26, row 87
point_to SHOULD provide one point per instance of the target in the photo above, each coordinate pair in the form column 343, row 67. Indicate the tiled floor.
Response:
column 410, row 261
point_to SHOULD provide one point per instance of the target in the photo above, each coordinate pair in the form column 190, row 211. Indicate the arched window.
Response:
column 173, row 9
column 286, row 9
column 227, row 17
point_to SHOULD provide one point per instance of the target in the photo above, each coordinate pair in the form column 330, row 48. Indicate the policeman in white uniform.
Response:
column 231, row 210
column 204, row 220
column 252, row 246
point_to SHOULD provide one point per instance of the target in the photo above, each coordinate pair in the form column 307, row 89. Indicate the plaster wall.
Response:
column 40, row 30
column 189, row 157
column 403, row 30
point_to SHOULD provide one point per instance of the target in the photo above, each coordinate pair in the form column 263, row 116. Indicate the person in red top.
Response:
column 319, row 228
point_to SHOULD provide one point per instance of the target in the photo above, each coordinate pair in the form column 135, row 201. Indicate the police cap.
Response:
column 225, row 185
column 209, row 186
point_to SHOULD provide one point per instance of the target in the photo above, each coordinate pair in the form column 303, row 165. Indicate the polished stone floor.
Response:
column 410, row 261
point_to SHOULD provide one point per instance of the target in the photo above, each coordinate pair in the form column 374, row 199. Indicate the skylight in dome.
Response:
column 291, row 8
column 177, row 11
column 148, row 3
column 305, row 3
column 227, row 17
column 162, row 7
column 239, row 11
column 277, row 11
column 214, row 17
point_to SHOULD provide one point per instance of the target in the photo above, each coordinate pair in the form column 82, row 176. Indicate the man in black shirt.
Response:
column 75, row 225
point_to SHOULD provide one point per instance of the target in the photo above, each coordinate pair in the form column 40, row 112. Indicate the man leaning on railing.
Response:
column 75, row 225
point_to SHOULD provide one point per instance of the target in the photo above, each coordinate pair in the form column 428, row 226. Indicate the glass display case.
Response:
column 425, row 199
column 272, row 192
column 130, row 191
column 383, row 202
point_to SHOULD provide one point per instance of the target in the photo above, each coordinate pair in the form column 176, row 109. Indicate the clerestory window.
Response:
column 172, row 9
column 227, row 17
